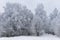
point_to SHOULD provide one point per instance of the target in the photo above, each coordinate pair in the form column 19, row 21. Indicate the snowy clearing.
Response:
column 44, row 37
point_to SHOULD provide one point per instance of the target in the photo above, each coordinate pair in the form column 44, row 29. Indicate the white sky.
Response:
column 31, row 4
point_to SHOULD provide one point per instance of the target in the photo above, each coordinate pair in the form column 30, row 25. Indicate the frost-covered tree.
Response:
column 41, row 13
column 56, row 25
column 54, row 14
column 16, row 20
column 37, row 26
column 52, row 17
column 40, row 23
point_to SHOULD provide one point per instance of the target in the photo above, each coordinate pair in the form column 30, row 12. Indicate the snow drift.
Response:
column 44, row 37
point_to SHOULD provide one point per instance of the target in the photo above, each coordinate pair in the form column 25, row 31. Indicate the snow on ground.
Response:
column 44, row 37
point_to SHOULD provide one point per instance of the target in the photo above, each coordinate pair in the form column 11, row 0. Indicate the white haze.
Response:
column 31, row 4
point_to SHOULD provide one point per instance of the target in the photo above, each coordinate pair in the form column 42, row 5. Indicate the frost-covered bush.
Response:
column 16, row 20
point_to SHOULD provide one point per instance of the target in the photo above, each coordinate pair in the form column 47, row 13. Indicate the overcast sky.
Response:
column 31, row 4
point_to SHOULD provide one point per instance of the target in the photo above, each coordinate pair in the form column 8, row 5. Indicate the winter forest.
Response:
column 18, row 20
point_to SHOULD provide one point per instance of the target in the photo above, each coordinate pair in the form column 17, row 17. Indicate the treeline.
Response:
column 17, row 20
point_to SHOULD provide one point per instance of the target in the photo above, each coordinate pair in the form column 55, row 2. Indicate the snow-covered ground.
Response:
column 44, row 37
